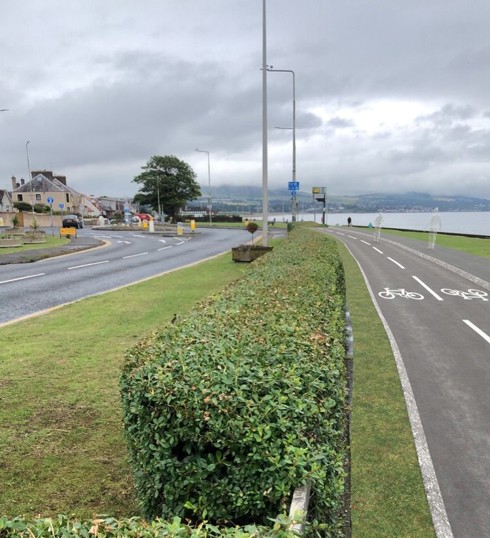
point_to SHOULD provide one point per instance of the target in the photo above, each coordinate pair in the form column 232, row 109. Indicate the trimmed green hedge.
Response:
column 228, row 410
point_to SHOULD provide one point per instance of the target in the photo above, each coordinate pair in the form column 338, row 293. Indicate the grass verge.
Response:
column 471, row 245
column 61, row 439
column 50, row 242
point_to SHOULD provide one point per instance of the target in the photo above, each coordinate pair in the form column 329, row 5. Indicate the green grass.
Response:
column 50, row 242
column 387, row 493
column 471, row 245
column 61, row 439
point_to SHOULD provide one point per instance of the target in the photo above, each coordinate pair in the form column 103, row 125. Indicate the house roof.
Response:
column 41, row 183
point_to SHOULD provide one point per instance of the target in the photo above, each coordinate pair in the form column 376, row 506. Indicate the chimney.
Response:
column 14, row 183
column 22, row 181
column 61, row 179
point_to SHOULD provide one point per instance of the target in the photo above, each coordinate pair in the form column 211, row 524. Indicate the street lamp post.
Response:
column 29, row 176
column 265, row 191
column 270, row 68
column 210, row 205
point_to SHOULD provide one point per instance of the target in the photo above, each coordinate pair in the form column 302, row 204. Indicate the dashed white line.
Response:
column 352, row 237
column 396, row 263
column 181, row 243
column 86, row 265
column 340, row 233
column 135, row 255
column 430, row 290
column 377, row 250
column 136, row 235
column 21, row 278
column 477, row 330
column 164, row 248
column 365, row 242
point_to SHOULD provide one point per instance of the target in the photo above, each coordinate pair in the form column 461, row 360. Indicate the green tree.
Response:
column 169, row 179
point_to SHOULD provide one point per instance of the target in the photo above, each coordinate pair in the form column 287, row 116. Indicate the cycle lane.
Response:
column 448, row 367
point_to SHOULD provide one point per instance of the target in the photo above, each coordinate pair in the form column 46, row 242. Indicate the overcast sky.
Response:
column 391, row 96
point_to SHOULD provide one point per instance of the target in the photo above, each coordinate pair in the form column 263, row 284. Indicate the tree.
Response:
column 169, row 180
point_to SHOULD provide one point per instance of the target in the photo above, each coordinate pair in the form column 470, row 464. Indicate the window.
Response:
column 20, row 198
column 67, row 196
column 38, row 197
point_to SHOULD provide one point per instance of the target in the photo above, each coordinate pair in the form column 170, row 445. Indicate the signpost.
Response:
column 50, row 202
column 293, row 188
column 320, row 195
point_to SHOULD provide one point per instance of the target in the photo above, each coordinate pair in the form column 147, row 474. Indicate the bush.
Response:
column 230, row 409
column 108, row 527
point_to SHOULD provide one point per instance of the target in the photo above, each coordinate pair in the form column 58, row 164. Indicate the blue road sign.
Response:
column 50, row 200
column 61, row 206
column 293, row 185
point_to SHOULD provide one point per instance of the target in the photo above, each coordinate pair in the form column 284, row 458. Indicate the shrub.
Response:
column 108, row 527
column 229, row 410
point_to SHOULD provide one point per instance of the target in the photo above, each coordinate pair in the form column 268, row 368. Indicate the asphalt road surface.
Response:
column 128, row 257
column 436, row 310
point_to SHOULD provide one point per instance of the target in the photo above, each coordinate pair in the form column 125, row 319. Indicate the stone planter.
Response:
column 34, row 237
column 7, row 242
column 249, row 253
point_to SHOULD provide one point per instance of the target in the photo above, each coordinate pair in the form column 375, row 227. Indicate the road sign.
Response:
column 293, row 185
column 50, row 200
column 61, row 206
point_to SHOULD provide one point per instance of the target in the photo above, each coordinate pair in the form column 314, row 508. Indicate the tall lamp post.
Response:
column 270, row 68
column 30, row 178
column 210, row 206
column 265, row 170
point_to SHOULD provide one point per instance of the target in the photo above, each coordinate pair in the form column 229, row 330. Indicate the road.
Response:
column 436, row 310
column 128, row 257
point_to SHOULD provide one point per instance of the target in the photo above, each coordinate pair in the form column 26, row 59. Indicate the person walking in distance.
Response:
column 349, row 221
column 378, row 224
column 434, row 227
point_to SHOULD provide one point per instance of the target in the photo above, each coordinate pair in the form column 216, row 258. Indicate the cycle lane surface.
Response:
column 426, row 307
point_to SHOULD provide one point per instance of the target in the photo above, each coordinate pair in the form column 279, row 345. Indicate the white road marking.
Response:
column 162, row 240
column 181, row 243
column 431, row 291
column 352, row 237
column 135, row 255
column 164, row 248
column 396, row 263
column 136, row 235
column 377, row 250
column 477, row 330
column 86, row 265
column 340, row 233
column 21, row 278
column 125, row 242
column 365, row 242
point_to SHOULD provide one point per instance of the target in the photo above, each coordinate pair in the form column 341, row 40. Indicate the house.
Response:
column 5, row 201
column 47, row 189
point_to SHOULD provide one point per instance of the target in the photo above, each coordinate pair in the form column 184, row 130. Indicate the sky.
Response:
column 391, row 96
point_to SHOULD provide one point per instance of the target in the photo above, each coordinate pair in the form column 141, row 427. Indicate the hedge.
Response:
column 229, row 409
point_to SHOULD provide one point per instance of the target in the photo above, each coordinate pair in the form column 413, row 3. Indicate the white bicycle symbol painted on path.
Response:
column 391, row 294
column 468, row 295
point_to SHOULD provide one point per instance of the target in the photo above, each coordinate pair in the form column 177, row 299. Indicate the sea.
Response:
column 472, row 223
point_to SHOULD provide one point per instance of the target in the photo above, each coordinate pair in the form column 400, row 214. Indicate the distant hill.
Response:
column 233, row 198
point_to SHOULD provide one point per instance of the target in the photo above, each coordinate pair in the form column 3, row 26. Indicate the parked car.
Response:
column 72, row 221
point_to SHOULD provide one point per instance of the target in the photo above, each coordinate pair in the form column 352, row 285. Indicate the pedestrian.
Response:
column 434, row 226
column 349, row 221
column 378, row 223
